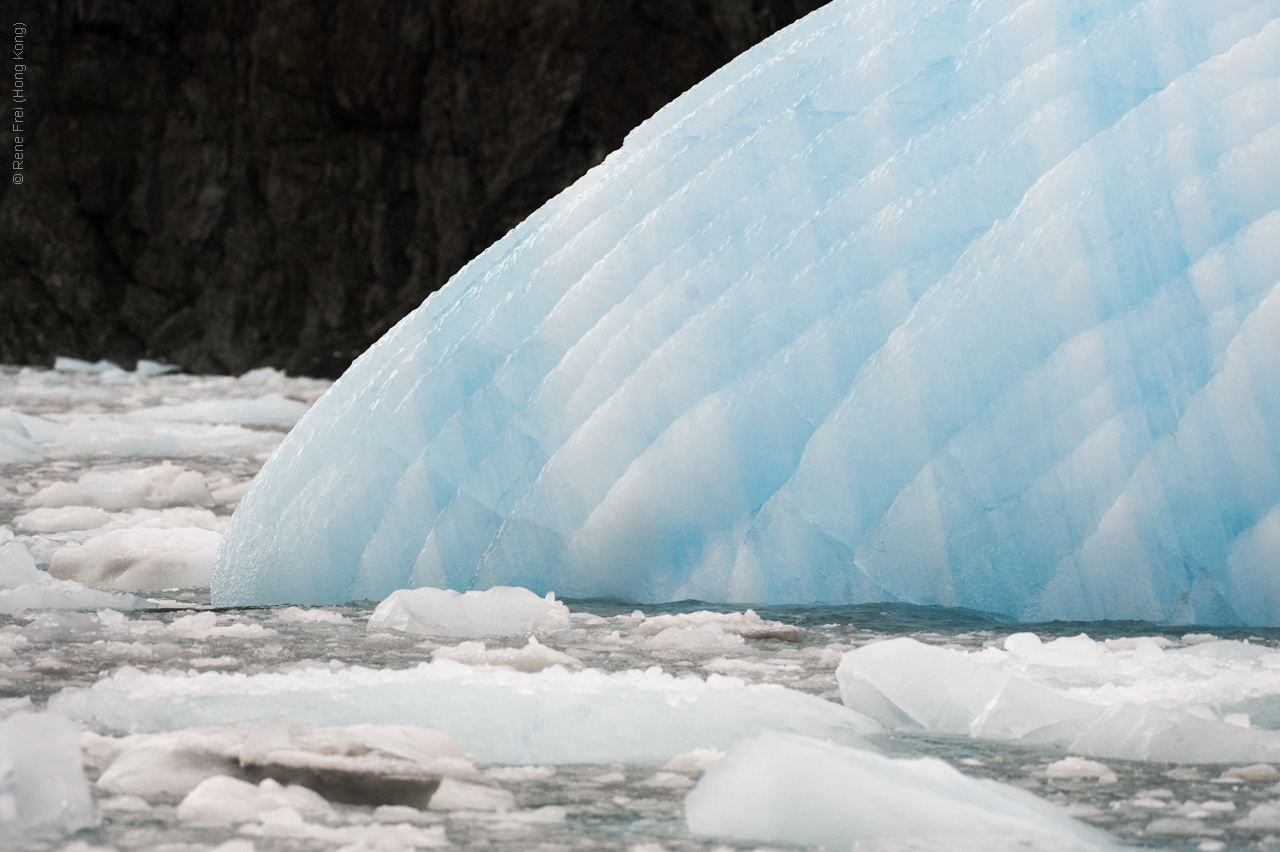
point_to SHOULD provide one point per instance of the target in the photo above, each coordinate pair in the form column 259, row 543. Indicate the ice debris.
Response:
column 1126, row 698
column 794, row 789
column 140, row 559
column 23, row 586
column 500, row 611
column 43, row 789
column 499, row 715
column 358, row 764
column 967, row 304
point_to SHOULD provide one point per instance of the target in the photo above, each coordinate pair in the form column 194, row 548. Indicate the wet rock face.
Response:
column 231, row 184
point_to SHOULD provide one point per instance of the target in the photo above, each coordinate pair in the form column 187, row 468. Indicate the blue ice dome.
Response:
column 969, row 303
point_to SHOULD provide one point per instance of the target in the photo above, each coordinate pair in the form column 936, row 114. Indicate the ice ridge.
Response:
column 971, row 304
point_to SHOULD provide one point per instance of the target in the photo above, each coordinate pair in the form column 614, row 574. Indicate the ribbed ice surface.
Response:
column 971, row 303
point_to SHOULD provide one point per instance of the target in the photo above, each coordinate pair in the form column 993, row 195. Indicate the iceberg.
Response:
column 964, row 303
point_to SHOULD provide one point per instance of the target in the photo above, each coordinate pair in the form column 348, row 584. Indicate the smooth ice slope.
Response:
column 967, row 303
column 801, row 790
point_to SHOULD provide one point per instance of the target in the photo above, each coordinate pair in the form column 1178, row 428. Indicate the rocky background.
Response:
column 228, row 184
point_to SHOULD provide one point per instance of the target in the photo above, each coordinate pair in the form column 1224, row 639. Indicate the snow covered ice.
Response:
column 967, row 304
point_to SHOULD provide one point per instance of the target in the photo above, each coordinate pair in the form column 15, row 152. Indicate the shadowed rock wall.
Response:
column 226, row 184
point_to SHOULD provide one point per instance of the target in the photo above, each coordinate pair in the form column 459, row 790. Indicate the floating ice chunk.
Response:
column 747, row 624
column 154, row 487
column 64, row 364
column 499, row 715
column 43, row 789
column 455, row 795
column 698, row 760
column 533, row 657
column 519, row 774
column 221, row 799
column 62, row 519
column 204, row 625
column 1257, row 772
column 317, row 615
column 1078, row 767
column 140, row 559
column 778, row 787
column 710, row 638
column 359, row 764
column 1132, row 700
column 23, row 586
column 500, row 611
column 270, row 410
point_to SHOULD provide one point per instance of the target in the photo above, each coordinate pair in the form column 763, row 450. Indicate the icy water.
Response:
column 46, row 652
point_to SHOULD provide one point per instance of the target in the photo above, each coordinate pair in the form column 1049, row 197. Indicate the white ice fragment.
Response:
column 777, row 787
column 1253, row 773
column 23, row 586
column 518, row 774
column 270, row 410
column 140, row 559
column 313, row 615
column 499, row 611
column 43, row 789
column 64, row 364
column 1079, row 767
column 155, row 487
column 1134, row 700
column 533, row 657
column 231, row 495
column 174, row 763
column 703, row 639
column 499, row 715
column 221, row 799
column 698, row 760
column 61, row 519
column 454, row 795
column 204, row 625
column 668, row 781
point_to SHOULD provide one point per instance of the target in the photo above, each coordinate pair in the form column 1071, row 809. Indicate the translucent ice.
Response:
column 43, row 790
column 500, row 611
column 499, row 715
column 967, row 303
column 800, row 790
column 1130, row 699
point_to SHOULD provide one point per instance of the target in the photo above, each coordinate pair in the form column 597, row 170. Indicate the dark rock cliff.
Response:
column 225, row 184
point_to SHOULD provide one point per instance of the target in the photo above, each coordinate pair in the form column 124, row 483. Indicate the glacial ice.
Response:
column 969, row 304
column 43, row 790
column 499, row 715
column 1127, row 699
column 800, row 790
column 500, row 611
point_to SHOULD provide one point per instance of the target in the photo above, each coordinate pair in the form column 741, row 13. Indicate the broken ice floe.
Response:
column 499, row 611
column 1126, row 698
column 43, row 789
column 499, row 715
column 779, row 787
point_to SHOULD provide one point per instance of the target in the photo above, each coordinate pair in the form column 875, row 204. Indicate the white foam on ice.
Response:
column 1134, row 699
column 43, row 789
column 499, row 715
column 779, row 787
column 965, row 304
column 500, row 611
